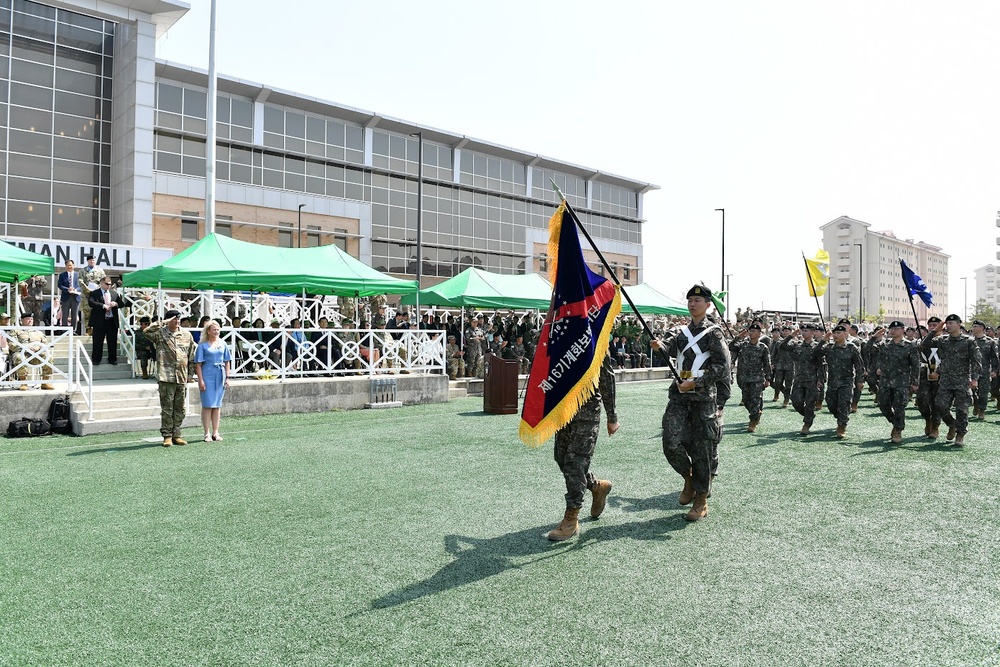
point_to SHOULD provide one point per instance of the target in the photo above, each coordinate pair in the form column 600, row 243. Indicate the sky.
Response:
column 786, row 113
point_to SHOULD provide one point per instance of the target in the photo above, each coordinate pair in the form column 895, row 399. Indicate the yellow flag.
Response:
column 818, row 269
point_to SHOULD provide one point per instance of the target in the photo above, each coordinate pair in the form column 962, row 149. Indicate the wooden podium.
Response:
column 500, row 386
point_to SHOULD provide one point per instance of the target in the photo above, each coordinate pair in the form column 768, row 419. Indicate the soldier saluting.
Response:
column 897, row 367
column 690, row 427
column 845, row 374
column 753, row 371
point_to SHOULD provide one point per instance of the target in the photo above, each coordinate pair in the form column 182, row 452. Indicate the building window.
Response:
column 189, row 228
column 285, row 235
column 340, row 241
column 627, row 272
column 312, row 236
column 224, row 229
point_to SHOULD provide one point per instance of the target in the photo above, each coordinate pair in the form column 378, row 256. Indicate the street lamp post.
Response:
column 301, row 206
column 728, row 302
column 796, row 303
column 861, row 279
column 723, row 274
column 965, row 302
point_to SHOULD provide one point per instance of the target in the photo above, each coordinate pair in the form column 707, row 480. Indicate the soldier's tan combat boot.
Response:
column 775, row 399
column 841, row 432
column 23, row 387
column 602, row 488
column 568, row 528
column 960, row 440
column 896, row 437
column 785, row 404
column 687, row 493
column 167, row 441
column 752, row 426
column 805, row 428
column 951, row 433
column 699, row 510
column 981, row 415
column 818, row 405
column 178, row 440
column 854, row 407
column 927, row 427
column 47, row 387
column 934, row 430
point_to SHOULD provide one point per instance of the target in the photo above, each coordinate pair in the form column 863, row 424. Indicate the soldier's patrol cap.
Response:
column 840, row 327
column 4, row 316
column 979, row 323
column 805, row 326
column 896, row 324
column 451, row 336
column 878, row 327
column 785, row 327
column 953, row 318
column 699, row 290
column 844, row 321
column 170, row 314
column 754, row 327
column 932, row 320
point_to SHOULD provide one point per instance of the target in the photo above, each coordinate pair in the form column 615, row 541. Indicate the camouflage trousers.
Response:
column 982, row 393
column 804, row 401
column 961, row 398
column 872, row 383
column 691, row 434
column 753, row 397
column 926, row 397
column 456, row 368
column 173, row 404
column 838, row 400
column 475, row 365
column 856, row 394
column 995, row 387
column 574, row 449
column 782, row 383
column 892, row 401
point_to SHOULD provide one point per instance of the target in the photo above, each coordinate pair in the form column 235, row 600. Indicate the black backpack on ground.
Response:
column 59, row 415
column 28, row 428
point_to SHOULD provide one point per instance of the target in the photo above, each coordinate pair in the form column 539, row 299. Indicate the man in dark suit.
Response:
column 104, row 305
column 69, row 295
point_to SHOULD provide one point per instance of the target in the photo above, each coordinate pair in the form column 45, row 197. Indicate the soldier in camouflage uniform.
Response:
column 348, row 311
column 25, row 343
column 33, row 297
column 897, row 367
column 690, row 423
column 845, row 372
column 991, row 364
column 475, row 338
column 574, row 449
column 90, row 273
column 809, row 361
column 783, row 368
column 456, row 365
column 869, row 355
column 853, row 339
column 929, row 380
column 520, row 354
column 959, row 370
column 753, row 371
column 175, row 367
column 995, row 382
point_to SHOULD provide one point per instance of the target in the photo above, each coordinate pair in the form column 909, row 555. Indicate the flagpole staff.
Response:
column 722, row 316
column 812, row 288
column 614, row 276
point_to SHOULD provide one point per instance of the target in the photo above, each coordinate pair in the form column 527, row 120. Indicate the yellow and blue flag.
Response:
column 818, row 270
column 574, row 337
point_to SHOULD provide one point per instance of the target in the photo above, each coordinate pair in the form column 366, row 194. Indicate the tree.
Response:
column 986, row 312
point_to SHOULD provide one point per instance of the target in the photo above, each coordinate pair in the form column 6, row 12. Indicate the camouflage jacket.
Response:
column 715, row 368
column 474, row 339
column 960, row 359
column 28, row 338
column 603, row 393
column 753, row 362
column 142, row 343
column 988, row 352
column 809, row 361
column 782, row 359
column 870, row 350
column 90, row 275
column 844, row 365
column 174, row 353
column 898, row 364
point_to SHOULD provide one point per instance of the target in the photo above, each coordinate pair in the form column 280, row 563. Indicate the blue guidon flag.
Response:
column 574, row 337
column 916, row 285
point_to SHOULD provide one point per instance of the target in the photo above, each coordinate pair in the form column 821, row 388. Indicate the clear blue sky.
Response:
column 786, row 113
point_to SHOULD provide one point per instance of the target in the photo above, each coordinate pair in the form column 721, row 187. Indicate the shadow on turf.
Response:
column 107, row 450
column 476, row 559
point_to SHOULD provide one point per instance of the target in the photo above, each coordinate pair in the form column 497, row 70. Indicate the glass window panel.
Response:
column 193, row 166
column 315, row 148
column 71, row 217
column 242, row 134
column 242, row 113
column 274, row 179
column 295, row 125
column 34, row 8
column 169, row 121
column 295, row 165
column 78, row 82
column 78, row 105
column 168, row 162
column 167, row 142
column 397, row 147
column 193, row 147
column 241, row 155
column 34, row 27
column 74, row 195
column 80, row 38
column 28, row 213
column 76, row 149
column 274, row 140
column 29, row 72
column 355, row 156
column 355, row 138
column 275, row 162
column 274, row 120
column 32, row 143
column 295, row 145
column 32, row 120
column 295, row 182
column 30, row 49
column 29, row 189
column 239, row 173
column 30, row 96
column 63, row 170
column 222, row 114
column 195, row 125
column 315, row 129
column 334, row 133
column 380, row 143
column 169, row 98
column 4, row 22
column 194, row 103
column 81, row 20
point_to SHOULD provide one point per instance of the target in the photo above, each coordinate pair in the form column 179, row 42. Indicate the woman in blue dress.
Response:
column 212, row 363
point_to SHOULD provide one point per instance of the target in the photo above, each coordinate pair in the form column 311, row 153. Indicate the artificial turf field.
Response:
column 415, row 537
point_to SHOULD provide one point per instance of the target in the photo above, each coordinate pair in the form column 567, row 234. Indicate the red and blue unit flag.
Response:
column 574, row 336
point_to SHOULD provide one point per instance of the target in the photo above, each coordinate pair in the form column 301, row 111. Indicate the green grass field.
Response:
column 415, row 537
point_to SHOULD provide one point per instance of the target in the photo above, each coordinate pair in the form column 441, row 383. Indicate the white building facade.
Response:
column 986, row 285
column 865, row 274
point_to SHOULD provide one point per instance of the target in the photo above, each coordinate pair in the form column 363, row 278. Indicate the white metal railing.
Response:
column 84, row 367
column 31, row 358
column 282, row 353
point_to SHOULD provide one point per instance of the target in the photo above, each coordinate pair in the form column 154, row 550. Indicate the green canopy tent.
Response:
column 17, row 264
column 482, row 289
column 218, row 262
column 649, row 301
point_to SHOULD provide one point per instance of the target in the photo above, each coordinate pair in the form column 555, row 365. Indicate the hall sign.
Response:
column 117, row 258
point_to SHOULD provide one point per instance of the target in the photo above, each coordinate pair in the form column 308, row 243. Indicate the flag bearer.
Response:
column 960, row 366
